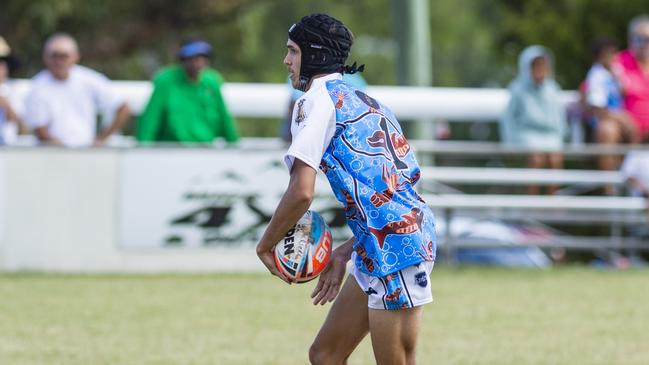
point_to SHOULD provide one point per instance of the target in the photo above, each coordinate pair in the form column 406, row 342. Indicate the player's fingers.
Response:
column 317, row 288
column 333, row 293
column 330, row 291
column 280, row 275
column 321, row 295
column 269, row 262
column 273, row 270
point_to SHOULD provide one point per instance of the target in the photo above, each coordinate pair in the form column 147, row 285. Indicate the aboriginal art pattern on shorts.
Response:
column 372, row 170
column 395, row 296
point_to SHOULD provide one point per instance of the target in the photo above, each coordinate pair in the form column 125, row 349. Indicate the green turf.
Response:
column 480, row 316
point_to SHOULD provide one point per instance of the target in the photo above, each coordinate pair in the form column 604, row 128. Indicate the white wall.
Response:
column 60, row 214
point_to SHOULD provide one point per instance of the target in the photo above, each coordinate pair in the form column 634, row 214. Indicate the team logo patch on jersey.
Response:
column 421, row 279
column 301, row 114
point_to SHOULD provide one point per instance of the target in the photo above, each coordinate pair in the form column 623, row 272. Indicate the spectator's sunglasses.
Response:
column 640, row 40
column 59, row 55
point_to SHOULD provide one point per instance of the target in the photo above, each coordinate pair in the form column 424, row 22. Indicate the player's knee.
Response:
column 410, row 353
column 322, row 355
column 318, row 355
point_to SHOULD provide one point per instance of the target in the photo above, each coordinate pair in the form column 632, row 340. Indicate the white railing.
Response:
column 265, row 100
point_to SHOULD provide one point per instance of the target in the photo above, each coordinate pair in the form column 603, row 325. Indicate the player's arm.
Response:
column 292, row 206
column 332, row 276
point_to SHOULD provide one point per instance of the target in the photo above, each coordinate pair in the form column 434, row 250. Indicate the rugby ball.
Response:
column 305, row 249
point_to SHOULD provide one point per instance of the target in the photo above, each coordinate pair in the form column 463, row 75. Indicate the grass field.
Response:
column 480, row 316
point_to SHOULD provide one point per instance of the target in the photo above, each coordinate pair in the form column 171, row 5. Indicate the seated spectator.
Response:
column 186, row 104
column 356, row 80
column 9, row 120
column 610, row 122
column 631, row 67
column 66, row 98
column 535, row 118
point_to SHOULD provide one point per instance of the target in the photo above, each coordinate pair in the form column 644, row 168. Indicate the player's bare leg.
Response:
column 394, row 335
column 346, row 325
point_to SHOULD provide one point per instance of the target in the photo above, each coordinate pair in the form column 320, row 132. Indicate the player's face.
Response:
column 639, row 42
column 293, row 61
column 59, row 57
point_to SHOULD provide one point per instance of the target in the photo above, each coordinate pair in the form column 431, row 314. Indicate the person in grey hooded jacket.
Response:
column 535, row 118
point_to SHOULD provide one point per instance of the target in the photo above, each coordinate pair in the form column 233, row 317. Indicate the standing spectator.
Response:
column 187, row 104
column 535, row 118
column 66, row 98
column 632, row 69
column 610, row 122
column 9, row 120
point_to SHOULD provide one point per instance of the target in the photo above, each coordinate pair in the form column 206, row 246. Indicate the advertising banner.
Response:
column 207, row 198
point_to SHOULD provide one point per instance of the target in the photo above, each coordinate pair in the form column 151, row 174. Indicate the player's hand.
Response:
column 330, row 280
column 268, row 260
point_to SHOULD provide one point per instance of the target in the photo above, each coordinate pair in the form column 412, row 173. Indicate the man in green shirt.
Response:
column 186, row 104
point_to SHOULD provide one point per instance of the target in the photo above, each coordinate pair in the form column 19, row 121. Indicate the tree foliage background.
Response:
column 475, row 42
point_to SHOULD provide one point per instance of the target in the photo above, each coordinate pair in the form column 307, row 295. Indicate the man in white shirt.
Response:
column 66, row 98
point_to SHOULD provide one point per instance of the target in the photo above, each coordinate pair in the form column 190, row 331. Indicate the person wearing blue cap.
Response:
column 187, row 105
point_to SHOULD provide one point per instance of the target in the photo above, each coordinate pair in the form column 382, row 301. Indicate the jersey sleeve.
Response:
column 313, row 134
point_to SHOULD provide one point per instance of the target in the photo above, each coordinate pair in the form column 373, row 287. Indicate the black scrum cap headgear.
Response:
column 325, row 43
